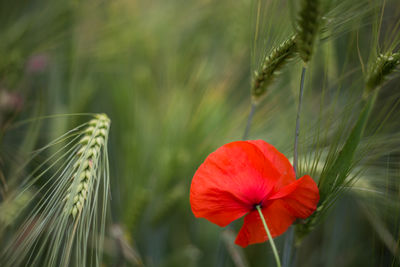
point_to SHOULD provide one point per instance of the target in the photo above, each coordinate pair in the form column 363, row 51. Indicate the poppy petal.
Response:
column 300, row 197
column 277, row 159
column 278, row 220
column 230, row 181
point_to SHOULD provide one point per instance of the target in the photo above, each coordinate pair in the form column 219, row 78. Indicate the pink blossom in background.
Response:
column 37, row 63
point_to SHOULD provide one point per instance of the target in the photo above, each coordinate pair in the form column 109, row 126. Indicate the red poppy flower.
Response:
column 240, row 175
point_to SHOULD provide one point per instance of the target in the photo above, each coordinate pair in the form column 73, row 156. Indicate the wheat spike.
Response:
column 272, row 64
column 308, row 27
column 87, row 161
column 66, row 223
column 384, row 65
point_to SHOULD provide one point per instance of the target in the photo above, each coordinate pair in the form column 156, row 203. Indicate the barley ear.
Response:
column 271, row 66
column 384, row 65
column 66, row 223
column 308, row 27
column 87, row 160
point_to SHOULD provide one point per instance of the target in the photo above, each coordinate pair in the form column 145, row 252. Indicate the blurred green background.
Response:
column 174, row 77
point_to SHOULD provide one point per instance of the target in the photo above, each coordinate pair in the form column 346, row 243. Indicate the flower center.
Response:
column 258, row 204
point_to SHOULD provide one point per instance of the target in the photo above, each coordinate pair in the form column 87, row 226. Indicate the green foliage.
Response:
column 334, row 175
column 10, row 208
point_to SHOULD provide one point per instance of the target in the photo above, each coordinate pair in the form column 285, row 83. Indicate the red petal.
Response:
column 278, row 220
column 277, row 159
column 297, row 200
column 231, row 180
column 300, row 198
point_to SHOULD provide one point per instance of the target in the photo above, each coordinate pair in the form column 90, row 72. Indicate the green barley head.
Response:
column 65, row 226
column 308, row 27
column 384, row 65
column 272, row 64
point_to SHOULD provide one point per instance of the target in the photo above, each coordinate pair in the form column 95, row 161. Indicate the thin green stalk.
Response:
column 271, row 240
column 71, row 241
column 297, row 132
column 249, row 120
column 288, row 247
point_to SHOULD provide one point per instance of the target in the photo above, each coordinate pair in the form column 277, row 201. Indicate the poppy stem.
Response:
column 271, row 240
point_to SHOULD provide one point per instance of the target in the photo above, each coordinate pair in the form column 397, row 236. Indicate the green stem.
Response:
column 271, row 240
column 249, row 120
column 288, row 247
column 297, row 131
column 69, row 245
